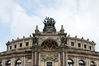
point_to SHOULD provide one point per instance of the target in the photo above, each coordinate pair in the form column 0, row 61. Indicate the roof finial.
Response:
column 36, row 27
column 62, row 29
column 36, row 30
column 76, row 36
column 23, row 36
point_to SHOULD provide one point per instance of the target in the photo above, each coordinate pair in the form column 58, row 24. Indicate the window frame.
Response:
column 20, row 44
column 79, row 45
column 27, row 44
column 72, row 43
column 85, row 46
column 15, row 46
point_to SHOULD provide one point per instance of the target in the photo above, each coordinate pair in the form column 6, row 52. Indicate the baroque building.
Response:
column 50, row 48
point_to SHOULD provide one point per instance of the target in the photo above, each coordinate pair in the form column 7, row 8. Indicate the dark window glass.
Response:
column 20, row 44
column 49, row 63
column 84, row 46
column 72, row 43
column 79, row 44
column 10, row 47
column 14, row 46
column 0, row 63
column 27, row 43
column 90, row 47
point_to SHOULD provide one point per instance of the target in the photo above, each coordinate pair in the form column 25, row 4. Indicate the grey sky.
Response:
column 19, row 17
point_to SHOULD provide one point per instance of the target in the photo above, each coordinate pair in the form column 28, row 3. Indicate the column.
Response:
column 23, row 62
column 13, row 62
column 97, row 63
column 39, row 59
column 66, row 59
column 36, row 58
column 86, row 60
column 77, row 61
column 63, row 59
column 59, row 60
column 4, row 62
column 33, row 58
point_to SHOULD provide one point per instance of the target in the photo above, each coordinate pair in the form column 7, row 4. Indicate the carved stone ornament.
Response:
column 50, row 57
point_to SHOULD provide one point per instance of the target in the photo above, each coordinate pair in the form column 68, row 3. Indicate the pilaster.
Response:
column 4, row 62
column 33, row 58
column 76, row 62
column 23, row 61
column 63, row 59
column 59, row 60
column 66, row 59
column 13, row 62
column 39, row 59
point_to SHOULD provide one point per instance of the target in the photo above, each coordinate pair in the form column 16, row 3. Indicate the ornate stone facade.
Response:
column 50, row 48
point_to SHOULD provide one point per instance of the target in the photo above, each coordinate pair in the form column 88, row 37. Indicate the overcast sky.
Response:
column 19, row 17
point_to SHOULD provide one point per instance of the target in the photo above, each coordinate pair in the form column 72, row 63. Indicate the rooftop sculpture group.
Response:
column 49, row 25
column 49, row 22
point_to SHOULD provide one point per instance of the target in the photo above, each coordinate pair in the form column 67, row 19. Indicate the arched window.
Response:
column 70, row 62
column 18, row 62
column 8, row 63
column 81, row 63
column 92, row 63
column 0, row 63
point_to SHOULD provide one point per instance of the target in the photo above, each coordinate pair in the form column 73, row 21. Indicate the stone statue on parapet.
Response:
column 63, row 40
column 35, row 40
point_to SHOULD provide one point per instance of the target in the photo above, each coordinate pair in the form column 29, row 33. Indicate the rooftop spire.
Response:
column 36, row 30
column 62, row 29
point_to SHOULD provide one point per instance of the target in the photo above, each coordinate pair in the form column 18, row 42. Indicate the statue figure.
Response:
column 35, row 40
column 63, row 40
